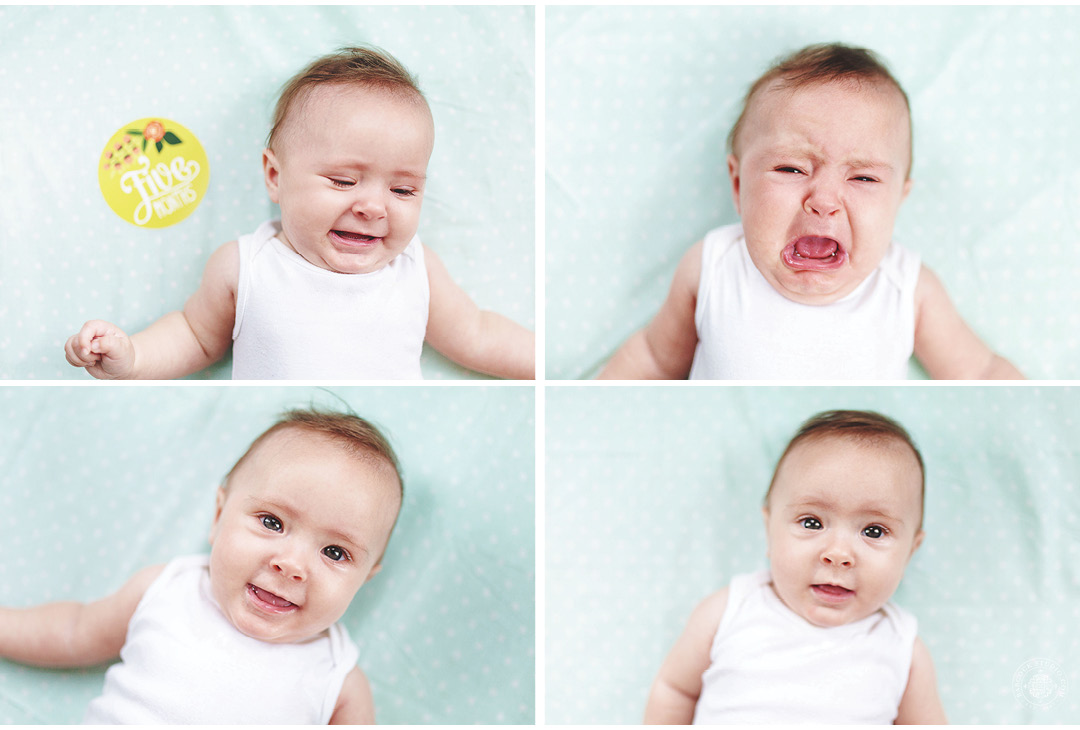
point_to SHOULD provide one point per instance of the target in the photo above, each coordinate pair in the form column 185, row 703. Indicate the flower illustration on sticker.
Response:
column 156, row 134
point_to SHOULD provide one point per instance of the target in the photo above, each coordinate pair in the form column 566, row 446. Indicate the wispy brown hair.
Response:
column 364, row 66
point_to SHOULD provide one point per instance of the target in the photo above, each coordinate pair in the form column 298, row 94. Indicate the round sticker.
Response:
column 153, row 172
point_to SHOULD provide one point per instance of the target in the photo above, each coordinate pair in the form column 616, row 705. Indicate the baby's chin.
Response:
column 815, row 288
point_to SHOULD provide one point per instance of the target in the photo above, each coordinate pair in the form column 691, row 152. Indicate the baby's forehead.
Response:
column 292, row 440
column 819, row 465
column 873, row 106
column 316, row 100
column 884, row 447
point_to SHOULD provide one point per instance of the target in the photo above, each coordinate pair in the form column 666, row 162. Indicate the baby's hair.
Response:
column 818, row 64
column 864, row 427
column 365, row 66
column 357, row 436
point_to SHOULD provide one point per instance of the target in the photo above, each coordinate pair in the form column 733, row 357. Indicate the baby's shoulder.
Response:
column 706, row 617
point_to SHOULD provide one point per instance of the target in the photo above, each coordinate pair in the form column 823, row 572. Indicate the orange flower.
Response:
column 154, row 132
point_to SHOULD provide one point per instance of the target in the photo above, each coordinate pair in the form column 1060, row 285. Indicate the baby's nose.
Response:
column 838, row 554
column 823, row 199
column 369, row 204
column 289, row 568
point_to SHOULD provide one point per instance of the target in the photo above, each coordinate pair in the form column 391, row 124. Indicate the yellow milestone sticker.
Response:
column 153, row 172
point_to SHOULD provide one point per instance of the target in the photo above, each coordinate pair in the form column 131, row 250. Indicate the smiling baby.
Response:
column 341, row 286
column 250, row 632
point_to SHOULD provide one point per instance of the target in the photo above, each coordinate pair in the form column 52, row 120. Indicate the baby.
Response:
column 340, row 287
column 248, row 633
column 810, row 284
column 815, row 639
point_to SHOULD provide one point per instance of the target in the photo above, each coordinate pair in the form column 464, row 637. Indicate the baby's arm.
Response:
column 480, row 340
column 944, row 343
column 178, row 344
column 355, row 705
column 664, row 349
column 920, row 704
column 73, row 634
column 675, row 691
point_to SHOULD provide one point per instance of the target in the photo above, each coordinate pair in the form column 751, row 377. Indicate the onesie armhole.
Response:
column 738, row 589
column 248, row 248
column 907, row 625
column 345, row 656
column 243, row 246
column 707, row 247
column 717, row 243
column 418, row 256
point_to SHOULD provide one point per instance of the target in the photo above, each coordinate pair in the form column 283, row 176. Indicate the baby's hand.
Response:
column 103, row 349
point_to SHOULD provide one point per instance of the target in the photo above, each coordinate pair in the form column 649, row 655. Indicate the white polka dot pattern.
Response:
column 101, row 481
column 639, row 102
column 653, row 499
column 71, row 76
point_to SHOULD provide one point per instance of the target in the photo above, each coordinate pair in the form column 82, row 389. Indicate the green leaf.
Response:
column 172, row 138
column 145, row 140
column 135, row 131
column 159, row 146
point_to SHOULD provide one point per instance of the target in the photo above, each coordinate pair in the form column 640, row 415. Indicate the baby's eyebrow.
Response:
column 358, row 164
column 870, row 164
column 348, row 539
column 815, row 155
column 868, row 511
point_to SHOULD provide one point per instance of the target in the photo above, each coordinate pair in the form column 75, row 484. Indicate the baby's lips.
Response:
column 814, row 253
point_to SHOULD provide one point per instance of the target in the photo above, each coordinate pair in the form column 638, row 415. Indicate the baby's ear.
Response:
column 271, row 173
column 374, row 570
column 733, row 173
column 765, row 518
column 220, row 505
column 907, row 189
column 918, row 541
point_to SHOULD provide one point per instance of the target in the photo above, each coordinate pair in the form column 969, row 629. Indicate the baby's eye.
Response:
column 874, row 531
column 406, row 192
column 865, row 178
column 271, row 523
column 789, row 169
column 811, row 523
column 335, row 553
column 341, row 183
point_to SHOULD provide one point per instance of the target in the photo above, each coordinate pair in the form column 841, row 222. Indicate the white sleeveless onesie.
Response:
column 185, row 663
column 769, row 665
column 749, row 331
column 297, row 321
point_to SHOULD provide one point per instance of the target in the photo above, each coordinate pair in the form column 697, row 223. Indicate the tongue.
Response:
column 815, row 247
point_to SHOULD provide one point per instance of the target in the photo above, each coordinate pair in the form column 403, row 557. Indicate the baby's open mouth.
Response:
column 814, row 253
column 270, row 600
column 350, row 237
column 832, row 593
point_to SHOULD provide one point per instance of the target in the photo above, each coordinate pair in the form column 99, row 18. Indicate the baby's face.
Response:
column 349, row 176
column 818, row 178
column 842, row 521
column 299, row 529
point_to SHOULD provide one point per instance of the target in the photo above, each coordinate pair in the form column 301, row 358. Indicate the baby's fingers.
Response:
column 114, row 355
column 79, row 354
